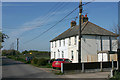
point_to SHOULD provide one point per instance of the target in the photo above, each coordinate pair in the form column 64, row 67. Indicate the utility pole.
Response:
column 79, row 45
column 17, row 43
column 118, row 50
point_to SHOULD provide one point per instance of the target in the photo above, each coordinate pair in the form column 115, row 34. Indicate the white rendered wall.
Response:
column 90, row 46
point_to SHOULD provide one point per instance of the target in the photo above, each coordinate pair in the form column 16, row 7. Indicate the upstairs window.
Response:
column 59, row 42
column 54, row 54
column 55, row 44
column 64, row 42
column 69, row 41
column 52, row 44
column 75, row 40
column 62, row 54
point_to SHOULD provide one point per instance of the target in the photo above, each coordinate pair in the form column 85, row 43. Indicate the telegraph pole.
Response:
column 17, row 43
column 118, row 50
column 79, row 45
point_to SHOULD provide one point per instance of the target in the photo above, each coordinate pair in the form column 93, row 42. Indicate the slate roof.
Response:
column 88, row 28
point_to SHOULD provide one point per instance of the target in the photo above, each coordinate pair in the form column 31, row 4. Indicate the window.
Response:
column 54, row 54
column 59, row 60
column 62, row 54
column 67, row 60
column 84, row 39
column 55, row 43
column 75, row 40
column 58, row 54
column 72, row 55
column 59, row 42
column 52, row 44
column 64, row 42
column 69, row 41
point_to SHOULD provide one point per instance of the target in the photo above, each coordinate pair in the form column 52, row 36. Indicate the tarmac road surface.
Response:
column 17, row 69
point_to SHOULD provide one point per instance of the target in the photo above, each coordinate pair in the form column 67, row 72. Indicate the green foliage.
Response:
column 37, row 54
column 39, row 58
column 34, row 61
column 17, row 58
column 59, row 73
column 25, row 52
column 3, row 37
column 52, row 60
column 10, row 52
column 42, row 62
column 116, row 76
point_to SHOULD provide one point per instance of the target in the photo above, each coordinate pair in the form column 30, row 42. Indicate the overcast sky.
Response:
column 27, row 20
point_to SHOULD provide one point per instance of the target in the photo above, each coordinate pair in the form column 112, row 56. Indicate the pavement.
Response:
column 88, row 75
column 17, row 69
column 104, row 75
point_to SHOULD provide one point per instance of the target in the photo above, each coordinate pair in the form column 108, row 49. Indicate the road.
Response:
column 16, row 69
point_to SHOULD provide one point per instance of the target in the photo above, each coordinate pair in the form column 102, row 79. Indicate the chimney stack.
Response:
column 73, row 23
column 84, row 19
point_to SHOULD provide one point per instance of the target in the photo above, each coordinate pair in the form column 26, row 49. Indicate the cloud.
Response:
column 37, row 22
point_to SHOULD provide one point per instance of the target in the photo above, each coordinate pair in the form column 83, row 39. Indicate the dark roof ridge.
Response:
column 88, row 28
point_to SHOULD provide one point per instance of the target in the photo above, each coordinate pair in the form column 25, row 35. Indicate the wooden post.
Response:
column 61, row 67
column 83, row 69
column 112, row 65
column 101, row 69
column 117, row 64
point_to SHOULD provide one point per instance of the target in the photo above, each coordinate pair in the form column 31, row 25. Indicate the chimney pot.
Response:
column 82, row 15
column 86, row 15
column 73, row 23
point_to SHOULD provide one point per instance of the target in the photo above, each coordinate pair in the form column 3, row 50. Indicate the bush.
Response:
column 52, row 60
column 34, row 61
column 10, row 52
column 117, row 75
column 42, row 62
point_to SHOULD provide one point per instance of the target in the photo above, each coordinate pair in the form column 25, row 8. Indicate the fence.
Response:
column 90, row 66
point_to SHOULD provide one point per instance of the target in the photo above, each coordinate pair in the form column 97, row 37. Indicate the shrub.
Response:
column 42, row 62
column 34, row 61
column 10, row 52
column 117, row 75
column 52, row 60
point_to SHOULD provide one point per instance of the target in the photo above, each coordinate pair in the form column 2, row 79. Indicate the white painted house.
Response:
column 96, row 42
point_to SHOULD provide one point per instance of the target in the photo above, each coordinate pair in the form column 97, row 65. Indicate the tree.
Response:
column 10, row 52
column 3, row 37
column 25, row 52
column 116, row 30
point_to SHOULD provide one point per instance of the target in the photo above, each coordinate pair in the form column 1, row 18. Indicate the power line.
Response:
column 44, row 20
column 53, row 25
column 37, row 26
column 52, row 9
column 57, row 22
